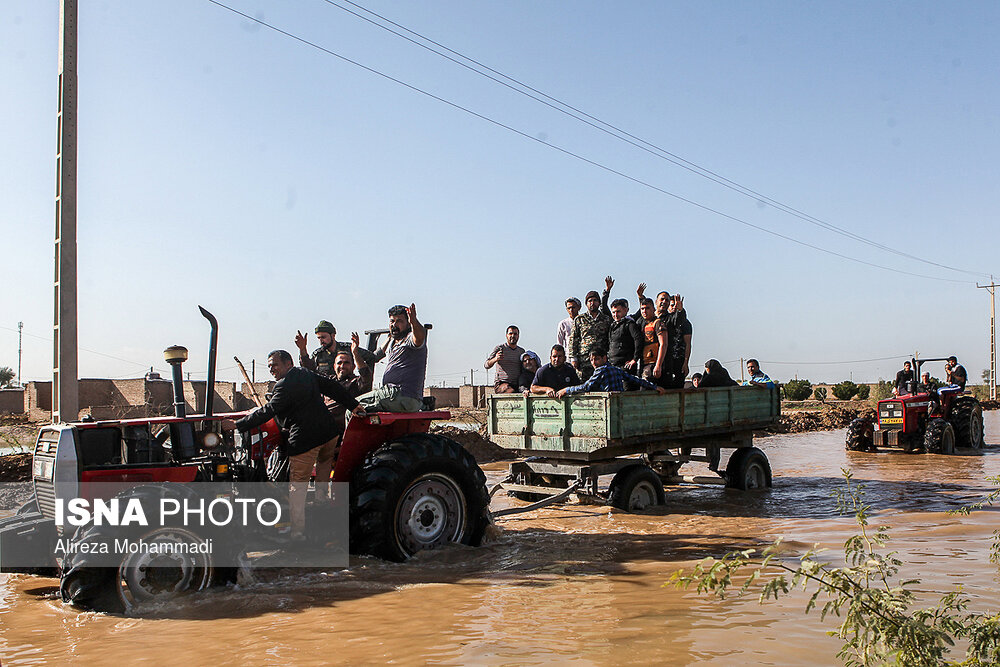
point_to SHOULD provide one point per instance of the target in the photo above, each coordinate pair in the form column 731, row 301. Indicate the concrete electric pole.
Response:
column 65, row 390
column 993, row 337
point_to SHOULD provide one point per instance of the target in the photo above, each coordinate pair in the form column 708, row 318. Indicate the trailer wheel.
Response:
column 636, row 488
column 967, row 420
column 140, row 577
column 859, row 436
column 748, row 469
column 939, row 438
column 419, row 492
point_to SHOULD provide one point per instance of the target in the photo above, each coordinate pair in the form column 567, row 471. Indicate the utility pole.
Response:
column 20, row 326
column 65, row 390
column 993, row 336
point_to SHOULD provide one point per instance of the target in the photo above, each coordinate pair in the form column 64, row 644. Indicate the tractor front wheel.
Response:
column 939, row 438
column 419, row 492
column 859, row 436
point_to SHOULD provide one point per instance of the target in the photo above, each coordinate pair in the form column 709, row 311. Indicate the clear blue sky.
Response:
column 227, row 165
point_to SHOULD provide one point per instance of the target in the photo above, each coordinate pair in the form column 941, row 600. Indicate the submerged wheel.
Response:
column 421, row 491
column 939, row 438
column 636, row 488
column 748, row 469
column 88, row 582
column 859, row 436
column 967, row 420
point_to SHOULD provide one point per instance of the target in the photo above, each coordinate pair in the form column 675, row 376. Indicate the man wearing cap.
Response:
column 590, row 329
column 324, row 356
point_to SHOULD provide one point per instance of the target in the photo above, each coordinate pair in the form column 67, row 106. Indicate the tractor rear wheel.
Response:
column 419, row 492
column 967, row 419
column 636, row 488
column 748, row 469
column 859, row 436
column 939, row 438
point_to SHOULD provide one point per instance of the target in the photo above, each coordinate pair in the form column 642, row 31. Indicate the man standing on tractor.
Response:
column 956, row 377
column 323, row 357
column 405, row 352
column 297, row 404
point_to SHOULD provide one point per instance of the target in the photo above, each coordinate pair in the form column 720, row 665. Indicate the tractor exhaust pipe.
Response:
column 212, row 351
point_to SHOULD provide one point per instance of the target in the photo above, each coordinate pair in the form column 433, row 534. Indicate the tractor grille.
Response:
column 890, row 415
column 45, row 494
column 48, row 442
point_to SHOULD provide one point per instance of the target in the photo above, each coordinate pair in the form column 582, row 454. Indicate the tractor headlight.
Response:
column 211, row 440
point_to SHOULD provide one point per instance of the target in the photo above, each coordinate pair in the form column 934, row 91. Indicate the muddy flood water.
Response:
column 573, row 585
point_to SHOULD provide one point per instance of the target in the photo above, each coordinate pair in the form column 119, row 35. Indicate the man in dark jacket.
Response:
column 297, row 404
column 626, row 339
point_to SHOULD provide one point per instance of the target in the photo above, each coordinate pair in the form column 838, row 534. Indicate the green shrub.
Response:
column 797, row 390
column 820, row 394
column 845, row 390
column 882, row 390
column 863, row 391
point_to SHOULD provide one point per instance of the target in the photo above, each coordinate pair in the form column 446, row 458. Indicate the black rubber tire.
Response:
column 967, row 419
column 102, row 588
column 939, row 438
column 748, row 469
column 636, row 488
column 394, row 475
column 859, row 436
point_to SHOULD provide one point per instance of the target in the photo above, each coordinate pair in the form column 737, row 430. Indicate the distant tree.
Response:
column 863, row 391
column 820, row 394
column 986, row 376
column 845, row 390
column 6, row 376
column 882, row 390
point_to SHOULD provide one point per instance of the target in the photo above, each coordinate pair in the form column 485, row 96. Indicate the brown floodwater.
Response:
column 573, row 585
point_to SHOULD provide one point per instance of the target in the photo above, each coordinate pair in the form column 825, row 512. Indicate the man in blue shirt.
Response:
column 606, row 377
column 758, row 378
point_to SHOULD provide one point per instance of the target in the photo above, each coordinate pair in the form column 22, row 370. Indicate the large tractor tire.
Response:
column 636, row 488
column 89, row 583
column 939, row 438
column 419, row 492
column 748, row 469
column 859, row 436
column 967, row 420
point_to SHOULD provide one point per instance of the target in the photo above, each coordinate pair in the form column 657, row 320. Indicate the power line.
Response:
column 570, row 153
column 832, row 363
column 623, row 135
column 84, row 349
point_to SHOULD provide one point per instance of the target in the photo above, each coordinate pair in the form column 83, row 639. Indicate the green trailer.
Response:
column 641, row 438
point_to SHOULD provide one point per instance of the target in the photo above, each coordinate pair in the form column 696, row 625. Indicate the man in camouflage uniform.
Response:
column 590, row 330
column 323, row 357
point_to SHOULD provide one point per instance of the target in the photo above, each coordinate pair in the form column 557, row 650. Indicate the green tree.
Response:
column 875, row 603
column 863, row 391
column 820, row 394
column 6, row 376
column 797, row 390
column 883, row 389
column 845, row 390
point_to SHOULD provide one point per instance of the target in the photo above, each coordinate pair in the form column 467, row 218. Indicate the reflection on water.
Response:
column 574, row 584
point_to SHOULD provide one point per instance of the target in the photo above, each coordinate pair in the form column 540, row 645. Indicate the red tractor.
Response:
column 409, row 490
column 920, row 420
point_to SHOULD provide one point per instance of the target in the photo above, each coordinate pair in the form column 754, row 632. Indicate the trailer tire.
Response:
column 967, row 420
column 93, row 587
column 939, row 438
column 859, row 436
column 636, row 488
column 748, row 469
column 421, row 491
